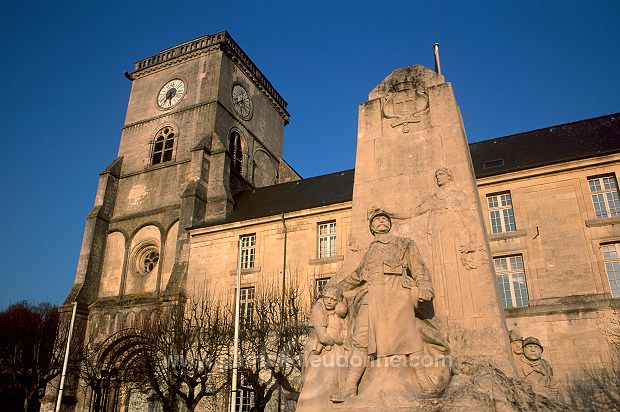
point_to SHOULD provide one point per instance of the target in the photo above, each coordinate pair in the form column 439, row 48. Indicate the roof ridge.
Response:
column 547, row 127
column 306, row 179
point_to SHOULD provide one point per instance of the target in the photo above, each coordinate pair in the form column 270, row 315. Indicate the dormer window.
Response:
column 163, row 146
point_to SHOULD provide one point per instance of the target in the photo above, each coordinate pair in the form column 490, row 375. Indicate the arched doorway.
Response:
column 119, row 386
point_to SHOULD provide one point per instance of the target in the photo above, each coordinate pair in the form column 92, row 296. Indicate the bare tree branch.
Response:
column 31, row 353
column 181, row 349
column 272, row 342
column 597, row 388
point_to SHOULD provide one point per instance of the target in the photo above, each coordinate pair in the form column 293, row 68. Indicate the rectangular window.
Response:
column 611, row 257
column 511, row 281
column 243, row 396
column 500, row 213
column 319, row 284
column 327, row 240
column 248, row 251
column 605, row 198
column 246, row 307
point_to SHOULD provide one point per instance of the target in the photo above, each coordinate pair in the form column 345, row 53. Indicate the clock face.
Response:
column 241, row 101
column 171, row 93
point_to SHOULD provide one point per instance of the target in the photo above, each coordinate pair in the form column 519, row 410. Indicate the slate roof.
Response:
column 288, row 197
column 555, row 144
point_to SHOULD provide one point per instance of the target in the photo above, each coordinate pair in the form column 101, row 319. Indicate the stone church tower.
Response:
column 202, row 123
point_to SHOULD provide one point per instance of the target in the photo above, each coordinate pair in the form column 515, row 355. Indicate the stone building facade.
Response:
column 556, row 245
column 200, row 167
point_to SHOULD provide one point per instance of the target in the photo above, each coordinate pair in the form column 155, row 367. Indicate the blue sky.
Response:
column 515, row 66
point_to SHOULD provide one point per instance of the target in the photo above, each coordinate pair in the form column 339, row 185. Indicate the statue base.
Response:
column 387, row 402
column 389, row 384
column 410, row 405
column 476, row 386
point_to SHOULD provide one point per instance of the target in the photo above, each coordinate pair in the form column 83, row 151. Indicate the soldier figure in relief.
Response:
column 516, row 343
column 388, row 283
column 535, row 370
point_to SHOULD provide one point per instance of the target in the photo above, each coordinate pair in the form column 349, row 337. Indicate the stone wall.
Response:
column 213, row 253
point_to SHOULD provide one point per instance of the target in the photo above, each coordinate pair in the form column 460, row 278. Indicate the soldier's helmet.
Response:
column 514, row 335
column 377, row 212
column 532, row 341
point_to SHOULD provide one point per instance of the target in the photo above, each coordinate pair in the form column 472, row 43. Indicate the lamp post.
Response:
column 66, row 360
column 235, row 377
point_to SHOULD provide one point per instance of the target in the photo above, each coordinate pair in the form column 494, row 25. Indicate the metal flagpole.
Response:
column 66, row 360
column 437, row 63
column 282, row 303
column 235, row 378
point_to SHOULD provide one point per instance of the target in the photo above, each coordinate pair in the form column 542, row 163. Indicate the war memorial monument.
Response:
column 418, row 256
column 425, row 333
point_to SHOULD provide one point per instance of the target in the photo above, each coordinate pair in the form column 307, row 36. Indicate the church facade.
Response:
column 200, row 173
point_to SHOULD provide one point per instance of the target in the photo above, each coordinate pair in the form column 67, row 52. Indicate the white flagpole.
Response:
column 235, row 378
column 66, row 360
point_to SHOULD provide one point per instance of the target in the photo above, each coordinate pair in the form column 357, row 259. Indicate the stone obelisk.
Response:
column 413, row 161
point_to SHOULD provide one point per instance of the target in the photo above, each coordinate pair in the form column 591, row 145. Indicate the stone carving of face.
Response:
column 331, row 296
column 517, row 347
column 442, row 177
column 380, row 224
column 330, row 302
column 532, row 352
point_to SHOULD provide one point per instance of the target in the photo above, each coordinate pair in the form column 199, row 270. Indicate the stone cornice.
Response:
column 169, row 114
column 143, row 214
column 206, row 44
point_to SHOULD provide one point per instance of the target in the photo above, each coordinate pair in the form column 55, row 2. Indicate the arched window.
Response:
column 163, row 146
column 234, row 147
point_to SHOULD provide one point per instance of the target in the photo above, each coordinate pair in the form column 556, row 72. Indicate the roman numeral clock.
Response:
column 171, row 94
column 241, row 101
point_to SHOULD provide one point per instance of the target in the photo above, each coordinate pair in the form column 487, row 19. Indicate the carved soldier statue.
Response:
column 535, row 370
column 516, row 344
column 388, row 283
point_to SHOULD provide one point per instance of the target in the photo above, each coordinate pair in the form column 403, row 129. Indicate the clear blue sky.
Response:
column 515, row 66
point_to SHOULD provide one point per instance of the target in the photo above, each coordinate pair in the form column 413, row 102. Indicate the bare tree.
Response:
column 597, row 388
column 31, row 353
column 272, row 341
column 90, row 369
column 181, row 349
column 613, row 335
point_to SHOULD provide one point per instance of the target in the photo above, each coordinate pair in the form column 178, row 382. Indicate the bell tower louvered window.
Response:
column 236, row 152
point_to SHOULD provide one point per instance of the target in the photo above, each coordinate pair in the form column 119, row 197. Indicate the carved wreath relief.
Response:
column 404, row 105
